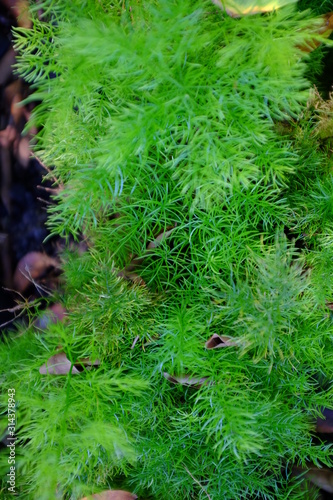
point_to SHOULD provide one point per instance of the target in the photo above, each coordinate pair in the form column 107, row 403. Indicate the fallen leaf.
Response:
column 59, row 364
column 128, row 273
column 6, row 63
column 16, row 111
column 20, row 9
column 135, row 278
column 51, row 315
column 325, row 424
column 11, row 90
column 217, row 341
column 239, row 8
column 8, row 136
column 87, row 362
column 112, row 495
column 324, row 29
column 327, row 26
column 31, row 267
column 185, row 380
column 323, row 478
column 158, row 240
column 23, row 151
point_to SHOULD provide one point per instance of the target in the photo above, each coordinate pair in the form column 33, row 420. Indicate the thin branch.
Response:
column 11, row 320
column 48, row 170
column 26, row 305
column 38, row 287
column 202, row 488
column 14, row 291
column 135, row 341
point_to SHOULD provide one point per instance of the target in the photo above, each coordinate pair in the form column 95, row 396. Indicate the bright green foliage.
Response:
column 164, row 117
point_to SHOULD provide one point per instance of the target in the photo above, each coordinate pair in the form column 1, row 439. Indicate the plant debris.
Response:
column 186, row 380
column 112, row 495
column 31, row 268
column 217, row 341
column 59, row 364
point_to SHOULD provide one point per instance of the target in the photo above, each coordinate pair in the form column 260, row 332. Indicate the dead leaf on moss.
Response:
column 23, row 151
column 16, row 110
column 8, row 136
column 112, row 495
column 324, row 27
column 87, row 362
column 20, row 9
column 31, row 267
column 51, row 315
column 186, row 380
column 217, row 341
column 59, row 364
column 327, row 26
column 158, row 240
column 323, row 478
column 6, row 63
column 135, row 278
column 128, row 273
column 11, row 90
column 239, row 8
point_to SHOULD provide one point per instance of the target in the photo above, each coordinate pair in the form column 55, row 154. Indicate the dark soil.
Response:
column 23, row 200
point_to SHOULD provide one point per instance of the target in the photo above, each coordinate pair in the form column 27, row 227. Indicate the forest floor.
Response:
column 24, row 195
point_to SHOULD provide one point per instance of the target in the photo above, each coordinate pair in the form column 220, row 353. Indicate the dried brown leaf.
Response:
column 323, row 478
column 24, row 151
column 87, row 362
column 31, row 267
column 239, row 8
column 23, row 15
column 20, row 9
column 186, row 380
column 327, row 26
column 112, row 495
column 8, row 136
column 16, row 110
column 217, row 341
column 324, row 29
column 58, row 364
column 135, row 278
column 51, row 315
column 158, row 240
column 11, row 90
column 128, row 273
column 6, row 63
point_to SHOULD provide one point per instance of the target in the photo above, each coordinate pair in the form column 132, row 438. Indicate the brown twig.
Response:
column 202, row 488
column 11, row 320
column 48, row 170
